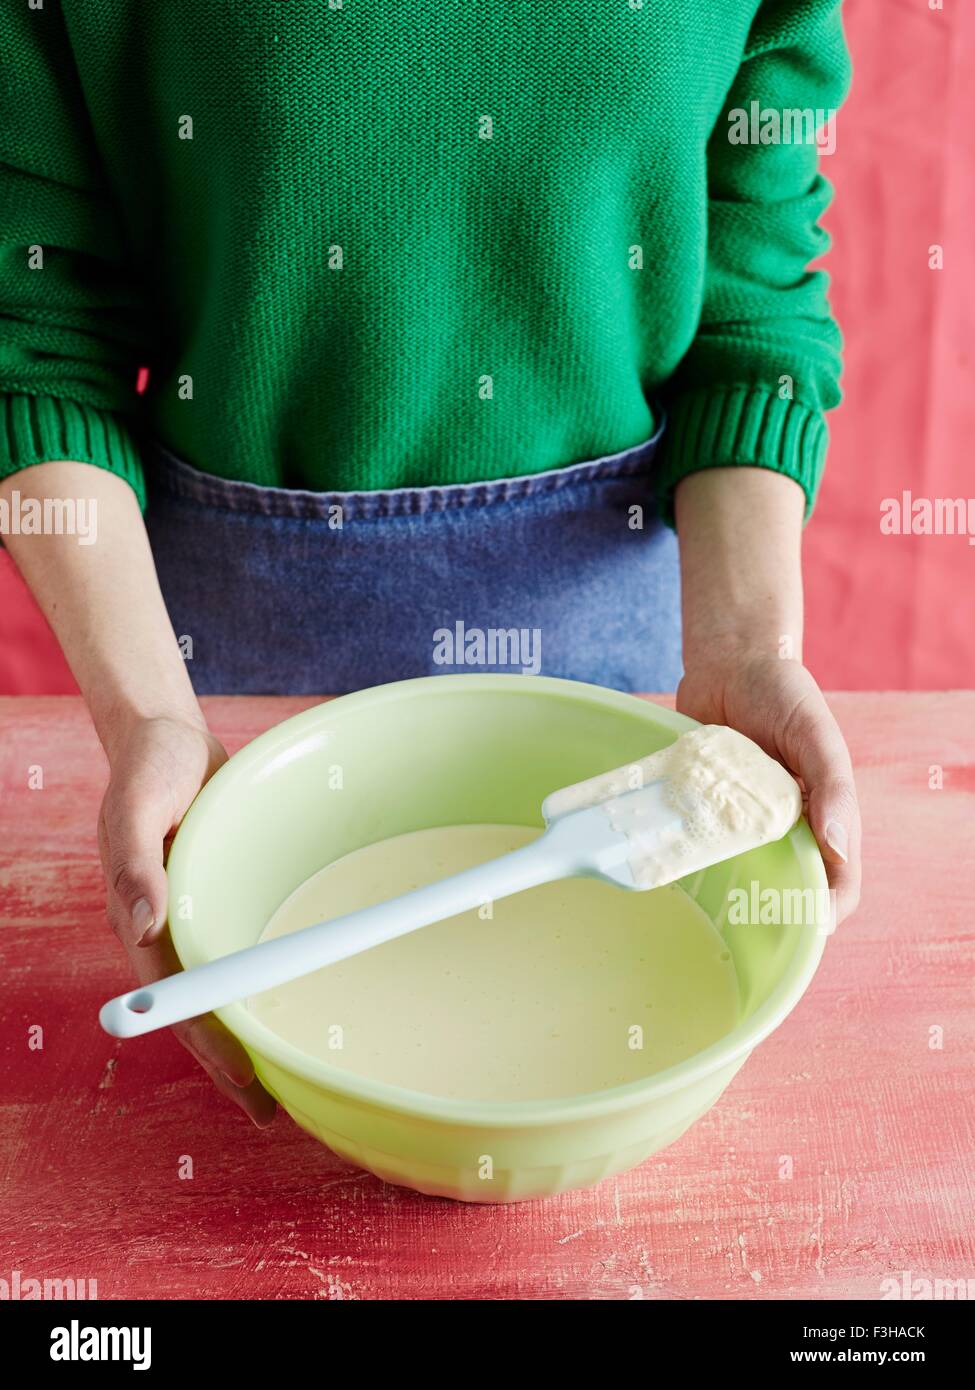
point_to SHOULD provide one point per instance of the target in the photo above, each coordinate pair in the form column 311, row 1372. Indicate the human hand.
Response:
column 157, row 767
column 778, row 704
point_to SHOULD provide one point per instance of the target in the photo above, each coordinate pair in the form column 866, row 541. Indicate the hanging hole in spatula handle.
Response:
column 125, row 1016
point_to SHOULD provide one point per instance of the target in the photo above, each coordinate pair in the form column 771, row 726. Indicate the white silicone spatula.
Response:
column 635, row 839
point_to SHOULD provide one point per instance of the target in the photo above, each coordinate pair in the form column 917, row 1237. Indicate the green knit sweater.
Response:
column 367, row 245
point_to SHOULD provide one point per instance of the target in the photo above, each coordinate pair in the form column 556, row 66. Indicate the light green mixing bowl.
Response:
column 451, row 750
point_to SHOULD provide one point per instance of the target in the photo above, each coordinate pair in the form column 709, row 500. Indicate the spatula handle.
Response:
column 270, row 963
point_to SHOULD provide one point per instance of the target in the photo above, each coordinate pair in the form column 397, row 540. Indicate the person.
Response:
column 444, row 314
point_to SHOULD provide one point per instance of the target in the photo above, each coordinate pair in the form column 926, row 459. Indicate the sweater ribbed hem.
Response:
column 39, row 429
column 740, row 427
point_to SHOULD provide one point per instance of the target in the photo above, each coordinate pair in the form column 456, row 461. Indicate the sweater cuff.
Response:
column 39, row 429
column 740, row 427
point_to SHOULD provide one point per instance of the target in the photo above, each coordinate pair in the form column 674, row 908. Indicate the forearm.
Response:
column 103, row 600
column 740, row 533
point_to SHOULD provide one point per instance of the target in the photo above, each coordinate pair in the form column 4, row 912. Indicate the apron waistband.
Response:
column 172, row 476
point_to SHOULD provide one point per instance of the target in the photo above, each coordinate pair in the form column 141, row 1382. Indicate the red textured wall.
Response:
column 894, row 611
column 884, row 612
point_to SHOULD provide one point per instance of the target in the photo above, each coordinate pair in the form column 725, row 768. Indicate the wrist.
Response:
column 117, row 716
column 740, row 638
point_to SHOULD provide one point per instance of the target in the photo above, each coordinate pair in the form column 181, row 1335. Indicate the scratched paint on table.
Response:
column 840, row 1155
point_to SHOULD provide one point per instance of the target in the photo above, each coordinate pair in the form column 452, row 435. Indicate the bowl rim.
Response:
column 733, row 1048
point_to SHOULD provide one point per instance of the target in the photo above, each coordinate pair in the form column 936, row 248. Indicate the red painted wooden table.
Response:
column 867, row 1087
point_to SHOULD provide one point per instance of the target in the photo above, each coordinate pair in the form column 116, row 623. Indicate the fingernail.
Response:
column 837, row 839
column 143, row 920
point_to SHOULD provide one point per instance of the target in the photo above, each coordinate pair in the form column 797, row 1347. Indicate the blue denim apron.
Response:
column 279, row 591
